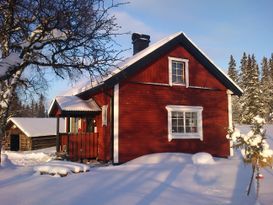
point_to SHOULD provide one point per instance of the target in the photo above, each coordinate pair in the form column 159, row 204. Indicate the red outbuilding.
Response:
column 167, row 97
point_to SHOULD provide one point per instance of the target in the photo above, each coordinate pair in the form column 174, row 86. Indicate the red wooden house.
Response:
column 167, row 97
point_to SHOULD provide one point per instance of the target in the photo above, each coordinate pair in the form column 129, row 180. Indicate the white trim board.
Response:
column 116, row 124
column 229, row 93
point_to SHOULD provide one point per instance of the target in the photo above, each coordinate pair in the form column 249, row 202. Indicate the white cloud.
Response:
column 131, row 24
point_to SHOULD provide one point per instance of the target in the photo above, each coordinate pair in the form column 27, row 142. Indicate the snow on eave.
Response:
column 220, row 70
column 74, row 103
column 138, row 56
column 36, row 127
column 51, row 106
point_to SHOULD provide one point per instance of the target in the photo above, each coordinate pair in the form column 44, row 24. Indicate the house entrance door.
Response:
column 14, row 142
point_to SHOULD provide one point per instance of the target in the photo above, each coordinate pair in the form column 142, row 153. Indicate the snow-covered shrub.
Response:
column 202, row 158
column 254, row 148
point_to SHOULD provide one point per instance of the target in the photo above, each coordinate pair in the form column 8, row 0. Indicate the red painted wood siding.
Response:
column 158, row 72
column 143, row 125
column 105, row 140
column 81, row 145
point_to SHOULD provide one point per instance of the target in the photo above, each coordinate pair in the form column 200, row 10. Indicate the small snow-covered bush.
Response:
column 202, row 158
column 52, row 170
column 253, row 145
column 254, row 148
column 61, row 168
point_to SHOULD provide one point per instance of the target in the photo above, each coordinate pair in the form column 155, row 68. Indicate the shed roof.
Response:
column 151, row 53
column 36, row 127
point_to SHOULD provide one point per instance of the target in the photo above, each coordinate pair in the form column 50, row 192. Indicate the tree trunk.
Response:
column 251, row 180
column 258, row 182
column 7, row 92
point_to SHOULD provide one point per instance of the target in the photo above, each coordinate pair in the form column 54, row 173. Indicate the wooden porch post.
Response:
column 67, row 134
column 58, row 135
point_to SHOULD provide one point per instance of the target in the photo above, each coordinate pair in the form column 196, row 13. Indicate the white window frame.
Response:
column 182, row 108
column 186, row 62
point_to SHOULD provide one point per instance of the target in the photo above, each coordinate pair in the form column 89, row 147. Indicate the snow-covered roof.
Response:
column 74, row 103
column 145, row 52
column 83, row 86
column 35, row 127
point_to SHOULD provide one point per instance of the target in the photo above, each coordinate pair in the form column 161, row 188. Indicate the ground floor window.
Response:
column 74, row 124
column 184, row 122
column 85, row 124
column 90, row 124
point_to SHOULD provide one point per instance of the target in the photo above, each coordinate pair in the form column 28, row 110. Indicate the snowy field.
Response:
column 160, row 179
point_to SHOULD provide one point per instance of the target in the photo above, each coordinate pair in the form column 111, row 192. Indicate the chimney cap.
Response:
column 136, row 36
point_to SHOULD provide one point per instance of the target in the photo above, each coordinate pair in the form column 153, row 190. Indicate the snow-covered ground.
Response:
column 165, row 178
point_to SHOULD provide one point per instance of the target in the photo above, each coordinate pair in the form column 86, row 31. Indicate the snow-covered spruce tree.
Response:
column 266, row 90
column 233, row 74
column 271, row 89
column 242, row 77
column 69, row 37
column 232, row 71
column 250, row 101
column 243, row 71
column 254, row 148
column 41, row 106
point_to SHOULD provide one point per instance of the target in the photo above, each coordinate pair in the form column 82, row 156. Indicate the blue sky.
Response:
column 219, row 27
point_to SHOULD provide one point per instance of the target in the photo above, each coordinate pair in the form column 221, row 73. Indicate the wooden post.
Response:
column 67, row 134
column 58, row 135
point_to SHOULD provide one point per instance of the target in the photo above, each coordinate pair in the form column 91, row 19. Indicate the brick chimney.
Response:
column 140, row 42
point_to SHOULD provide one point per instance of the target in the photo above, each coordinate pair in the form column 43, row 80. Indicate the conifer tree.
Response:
column 243, row 74
column 233, row 74
column 270, row 104
column 242, row 83
column 41, row 106
column 266, row 89
column 250, row 81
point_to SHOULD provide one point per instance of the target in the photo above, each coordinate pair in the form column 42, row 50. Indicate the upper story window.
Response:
column 184, row 122
column 178, row 71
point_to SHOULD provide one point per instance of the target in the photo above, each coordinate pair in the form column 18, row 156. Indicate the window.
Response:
column 75, row 124
column 184, row 122
column 178, row 71
column 89, row 124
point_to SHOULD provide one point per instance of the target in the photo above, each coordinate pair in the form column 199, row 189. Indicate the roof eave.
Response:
column 183, row 40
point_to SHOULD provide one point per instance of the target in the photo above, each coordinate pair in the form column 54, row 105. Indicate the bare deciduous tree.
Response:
column 68, row 36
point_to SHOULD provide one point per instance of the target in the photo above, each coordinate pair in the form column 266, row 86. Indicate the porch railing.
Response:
column 79, row 146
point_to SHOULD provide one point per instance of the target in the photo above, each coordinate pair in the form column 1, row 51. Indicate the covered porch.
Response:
column 81, row 139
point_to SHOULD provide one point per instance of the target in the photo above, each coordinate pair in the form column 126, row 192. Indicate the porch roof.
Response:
column 73, row 104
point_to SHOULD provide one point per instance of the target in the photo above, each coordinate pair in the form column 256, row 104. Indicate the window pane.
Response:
column 191, row 122
column 89, row 125
column 180, row 114
column 174, row 78
column 177, row 122
column 180, row 129
column 178, row 72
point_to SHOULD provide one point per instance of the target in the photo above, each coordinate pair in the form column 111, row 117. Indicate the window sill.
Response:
column 178, row 84
column 184, row 136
